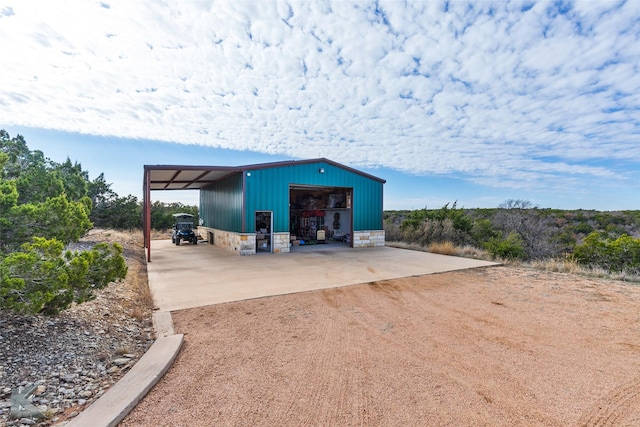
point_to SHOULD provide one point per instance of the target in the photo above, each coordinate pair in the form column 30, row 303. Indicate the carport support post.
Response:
column 147, row 212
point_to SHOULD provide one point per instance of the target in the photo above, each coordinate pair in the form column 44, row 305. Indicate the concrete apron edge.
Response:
column 117, row 402
column 162, row 323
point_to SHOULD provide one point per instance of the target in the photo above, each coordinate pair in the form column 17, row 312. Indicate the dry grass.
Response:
column 569, row 265
column 127, row 238
column 443, row 248
column 137, row 298
column 124, row 350
column 160, row 234
column 405, row 245
column 473, row 252
column 143, row 301
column 566, row 265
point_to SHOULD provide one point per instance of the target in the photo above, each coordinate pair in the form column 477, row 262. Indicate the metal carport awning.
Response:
column 174, row 177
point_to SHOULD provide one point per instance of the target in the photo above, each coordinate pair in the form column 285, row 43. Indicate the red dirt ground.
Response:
column 495, row 346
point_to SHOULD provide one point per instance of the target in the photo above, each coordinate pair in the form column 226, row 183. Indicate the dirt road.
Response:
column 494, row 346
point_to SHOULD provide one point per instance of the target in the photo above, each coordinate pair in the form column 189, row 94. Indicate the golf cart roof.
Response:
column 182, row 216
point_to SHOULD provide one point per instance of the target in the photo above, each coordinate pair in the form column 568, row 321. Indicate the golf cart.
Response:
column 183, row 229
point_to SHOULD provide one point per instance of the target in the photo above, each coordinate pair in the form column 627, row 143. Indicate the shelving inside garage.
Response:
column 320, row 208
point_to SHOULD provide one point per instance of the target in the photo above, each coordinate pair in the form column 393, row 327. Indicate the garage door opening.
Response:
column 320, row 217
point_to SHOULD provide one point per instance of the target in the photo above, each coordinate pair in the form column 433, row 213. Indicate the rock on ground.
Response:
column 73, row 358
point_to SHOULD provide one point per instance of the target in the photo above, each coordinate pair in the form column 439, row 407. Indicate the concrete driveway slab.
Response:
column 188, row 276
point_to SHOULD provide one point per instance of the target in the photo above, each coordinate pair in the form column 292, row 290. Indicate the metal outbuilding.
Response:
column 275, row 207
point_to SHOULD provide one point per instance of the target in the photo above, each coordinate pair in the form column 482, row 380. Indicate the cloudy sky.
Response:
column 472, row 101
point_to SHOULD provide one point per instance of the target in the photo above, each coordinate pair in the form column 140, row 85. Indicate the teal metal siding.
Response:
column 367, row 204
column 221, row 204
column 268, row 190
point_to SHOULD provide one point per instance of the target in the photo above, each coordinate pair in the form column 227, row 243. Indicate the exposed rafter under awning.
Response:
column 174, row 177
column 163, row 177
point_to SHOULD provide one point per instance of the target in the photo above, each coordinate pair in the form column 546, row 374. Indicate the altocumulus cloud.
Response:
column 502, row 94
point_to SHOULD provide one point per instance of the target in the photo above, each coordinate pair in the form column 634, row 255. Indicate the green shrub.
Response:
column 483, row 231
column 509, row 248
column 45, row 205
column 621, row 254
column 580, row 228
column 447, row 224
column 40, row 278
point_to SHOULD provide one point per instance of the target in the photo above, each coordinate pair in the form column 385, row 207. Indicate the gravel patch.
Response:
column 71, row 359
